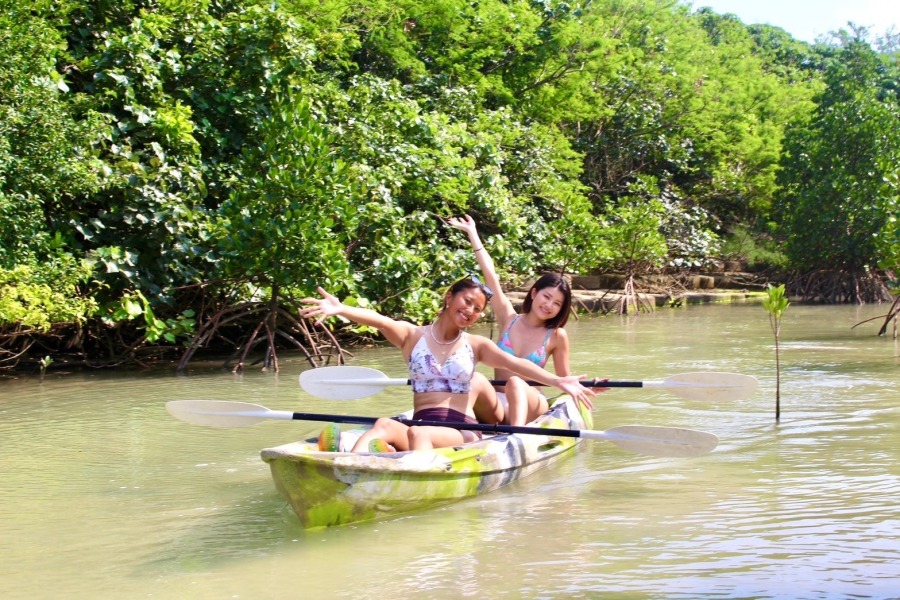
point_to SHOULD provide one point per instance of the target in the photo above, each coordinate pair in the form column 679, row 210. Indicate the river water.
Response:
column 104, row 495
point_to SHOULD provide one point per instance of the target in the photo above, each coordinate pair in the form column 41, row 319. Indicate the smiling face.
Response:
column 464, row 303
column 546, row 303
column 551, row 300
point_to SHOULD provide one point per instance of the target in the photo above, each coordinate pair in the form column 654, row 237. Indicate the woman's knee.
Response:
column 480, row 388
column 485, row 404
column 383, row 423
column 516, row 384
column 385, row 427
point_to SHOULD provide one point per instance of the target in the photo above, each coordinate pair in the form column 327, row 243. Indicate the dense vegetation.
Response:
column 181, row 172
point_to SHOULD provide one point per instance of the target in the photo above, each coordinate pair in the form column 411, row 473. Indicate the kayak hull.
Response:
column 337, row 488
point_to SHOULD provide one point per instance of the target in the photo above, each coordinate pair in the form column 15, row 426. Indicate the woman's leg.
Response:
column 391, row 431
column 537, row 405
column 525, row 402
column 487, row 407
column 426, row 438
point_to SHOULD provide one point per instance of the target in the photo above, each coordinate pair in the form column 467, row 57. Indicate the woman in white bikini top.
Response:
column 454, row 375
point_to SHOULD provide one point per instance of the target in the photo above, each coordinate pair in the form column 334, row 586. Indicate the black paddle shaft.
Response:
column 600, row 384
column 297, row 416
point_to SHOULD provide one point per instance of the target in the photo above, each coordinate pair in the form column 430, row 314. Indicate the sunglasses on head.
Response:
column 487, row 291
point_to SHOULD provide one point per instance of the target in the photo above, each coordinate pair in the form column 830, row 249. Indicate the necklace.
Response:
column 450, row 343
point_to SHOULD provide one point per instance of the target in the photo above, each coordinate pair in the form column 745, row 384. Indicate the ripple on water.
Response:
column 104, row 490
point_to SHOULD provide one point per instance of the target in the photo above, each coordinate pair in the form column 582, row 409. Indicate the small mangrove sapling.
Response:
column 775, row 304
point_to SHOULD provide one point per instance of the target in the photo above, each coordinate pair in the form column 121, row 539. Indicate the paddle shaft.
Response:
column 586, row 383
column 654, row 441
column 483, row 427
column 499, row 382
column 502, row 382
column 351, row 383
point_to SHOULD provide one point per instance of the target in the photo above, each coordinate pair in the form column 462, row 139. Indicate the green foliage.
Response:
column 757, row 251
column 887, row 239
column 509, row 52
column 530, row 188
column 135, row 305
column 775, row 303
column 744, row 103
column 151, row 210
column 36, row 296
column 691, row 104
column 650, row 228
column 45, row 156
column 634, row 239
column 287, row 222
column 261, row 148
column 418, row 164
column 839, row 193
column 794, row 62
column 234, row 63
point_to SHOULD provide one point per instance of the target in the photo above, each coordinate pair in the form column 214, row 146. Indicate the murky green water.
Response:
column 103, row 494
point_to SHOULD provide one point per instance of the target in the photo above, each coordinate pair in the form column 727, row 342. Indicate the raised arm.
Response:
column 396, row 332
column 503, row 308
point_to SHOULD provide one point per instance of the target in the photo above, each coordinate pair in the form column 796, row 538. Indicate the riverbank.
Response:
column 612, row 293
column 592, row 295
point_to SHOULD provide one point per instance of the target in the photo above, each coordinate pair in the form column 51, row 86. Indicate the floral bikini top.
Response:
column 454, row 376
column 538, row 357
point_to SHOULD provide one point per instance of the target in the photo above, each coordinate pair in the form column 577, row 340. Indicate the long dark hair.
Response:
column 557, row 281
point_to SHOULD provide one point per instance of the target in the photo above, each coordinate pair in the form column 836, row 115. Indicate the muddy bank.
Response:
column 592, row 295
column 611, row 292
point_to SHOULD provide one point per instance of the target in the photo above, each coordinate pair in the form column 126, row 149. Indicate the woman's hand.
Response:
column 599, row 388
column 573, row 387
column 465, row 223
column 324, row 307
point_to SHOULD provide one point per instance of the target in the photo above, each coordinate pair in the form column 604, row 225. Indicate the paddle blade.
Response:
column 345, row 382
column 658, row 441
column 217, row 413
column 709, row 387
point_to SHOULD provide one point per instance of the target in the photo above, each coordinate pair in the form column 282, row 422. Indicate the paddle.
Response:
column 650, row 440
column 352, row 383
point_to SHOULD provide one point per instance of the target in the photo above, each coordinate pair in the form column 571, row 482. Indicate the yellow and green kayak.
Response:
column 336, row 488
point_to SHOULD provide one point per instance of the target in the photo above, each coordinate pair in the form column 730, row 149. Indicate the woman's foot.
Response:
column 330, row 438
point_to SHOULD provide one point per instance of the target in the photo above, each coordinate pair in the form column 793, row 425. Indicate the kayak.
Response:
column 337, row 488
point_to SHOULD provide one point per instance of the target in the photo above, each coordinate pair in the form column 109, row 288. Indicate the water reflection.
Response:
column 105, row 494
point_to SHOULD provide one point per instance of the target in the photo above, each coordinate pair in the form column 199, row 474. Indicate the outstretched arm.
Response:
column 503, row 308
column 395, row 331
column 488, row 353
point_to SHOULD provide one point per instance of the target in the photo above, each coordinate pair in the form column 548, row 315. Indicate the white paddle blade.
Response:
column 345, row 382
column 709, row 387
column 217, row 413
column 658, row 441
